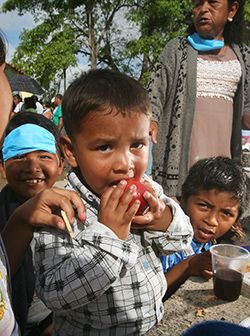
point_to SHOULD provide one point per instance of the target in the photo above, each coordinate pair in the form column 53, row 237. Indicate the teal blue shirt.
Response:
column 57, row 115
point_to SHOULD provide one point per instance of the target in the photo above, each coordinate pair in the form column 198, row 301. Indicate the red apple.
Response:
column 140, row 190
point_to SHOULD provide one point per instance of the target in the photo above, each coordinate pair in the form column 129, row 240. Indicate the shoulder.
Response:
column 242, row 50
column 175, row 45
column 173, row 51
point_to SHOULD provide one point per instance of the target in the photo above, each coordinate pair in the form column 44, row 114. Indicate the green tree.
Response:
column 158, row 22
column 46, row 55
column 99, row 31
column 86, row 28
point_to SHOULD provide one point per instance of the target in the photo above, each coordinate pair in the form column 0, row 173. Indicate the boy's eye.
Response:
column 202, row 205
column 46, row 156
column 138, row 145
column 104, row 148
column 227, row 213
column 18, row 157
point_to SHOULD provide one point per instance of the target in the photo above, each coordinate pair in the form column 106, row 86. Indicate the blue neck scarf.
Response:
column 200, row 44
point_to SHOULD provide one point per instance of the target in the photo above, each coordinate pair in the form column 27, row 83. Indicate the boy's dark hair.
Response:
column 220, row 173
column 234, row 32
column 99, row 90
column 22, row 118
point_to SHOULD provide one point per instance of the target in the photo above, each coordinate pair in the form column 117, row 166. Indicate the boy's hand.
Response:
column 42, row 209
column 200, row 265
column 159, row 215
column 115, row 212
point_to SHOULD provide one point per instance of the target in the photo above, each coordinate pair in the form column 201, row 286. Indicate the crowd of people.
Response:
column 51, row 109
column 113, row 273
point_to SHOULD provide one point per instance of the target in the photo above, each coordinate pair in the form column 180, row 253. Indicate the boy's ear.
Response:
column 68, row 152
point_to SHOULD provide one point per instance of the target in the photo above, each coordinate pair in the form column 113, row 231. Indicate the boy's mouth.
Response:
column 205, row 234
column 34, row 181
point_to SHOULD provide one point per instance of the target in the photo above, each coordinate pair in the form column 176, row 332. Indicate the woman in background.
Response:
column 199, row 92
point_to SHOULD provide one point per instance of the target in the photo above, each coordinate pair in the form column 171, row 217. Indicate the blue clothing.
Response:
column 217, row 328
column 203, row 45
column 171, row 260
column 150, row 159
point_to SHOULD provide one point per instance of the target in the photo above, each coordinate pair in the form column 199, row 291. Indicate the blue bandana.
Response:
column 200, row 44
column 28, row 138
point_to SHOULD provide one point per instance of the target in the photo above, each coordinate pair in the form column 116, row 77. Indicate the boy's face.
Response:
column 212, row 214
column 31, row 173
column 109, row 148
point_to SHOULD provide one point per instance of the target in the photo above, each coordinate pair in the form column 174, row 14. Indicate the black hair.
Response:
column 35, row 98
column 17, row 96
column 220, row 173
column 47, row 104
column 99, row 90
column 2, row 49
column 26, row 117
column 29, row 102
column 58, row 95
column 234, row 32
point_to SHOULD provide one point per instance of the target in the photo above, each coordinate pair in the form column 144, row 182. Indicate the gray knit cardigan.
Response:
column 172, row 91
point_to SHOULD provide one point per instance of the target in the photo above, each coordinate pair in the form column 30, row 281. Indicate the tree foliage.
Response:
column 66, row 30
column 127, row 35
column 158, row 22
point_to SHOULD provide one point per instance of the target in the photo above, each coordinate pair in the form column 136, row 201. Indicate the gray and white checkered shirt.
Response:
column 97, row 284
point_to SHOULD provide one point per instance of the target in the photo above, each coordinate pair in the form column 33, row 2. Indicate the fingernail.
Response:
column 123, row 182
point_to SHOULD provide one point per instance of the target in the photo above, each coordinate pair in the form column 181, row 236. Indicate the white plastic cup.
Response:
column 229, row 264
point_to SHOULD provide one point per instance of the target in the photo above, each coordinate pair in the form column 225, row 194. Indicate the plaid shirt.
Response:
column 97, row 284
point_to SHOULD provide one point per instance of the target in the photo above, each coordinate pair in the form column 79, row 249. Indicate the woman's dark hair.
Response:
column 22, row 118
column 99, row 90
column 234, row 32
column 220, row 173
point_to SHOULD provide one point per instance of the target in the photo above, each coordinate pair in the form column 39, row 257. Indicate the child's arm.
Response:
column 195, row 265
column 38, row 211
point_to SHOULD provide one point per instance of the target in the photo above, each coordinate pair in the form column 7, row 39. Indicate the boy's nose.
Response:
column 123, row 162
column 31, row 165
column 212, row 219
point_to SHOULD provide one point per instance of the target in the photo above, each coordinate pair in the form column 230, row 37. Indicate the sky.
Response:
column 11, row 25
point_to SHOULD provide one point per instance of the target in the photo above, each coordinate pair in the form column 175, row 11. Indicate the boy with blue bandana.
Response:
column 37, row 211
column 32, row 163
column 108, row 279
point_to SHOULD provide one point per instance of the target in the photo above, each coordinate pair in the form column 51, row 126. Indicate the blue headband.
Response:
column 28, row 138
column 200, row 44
